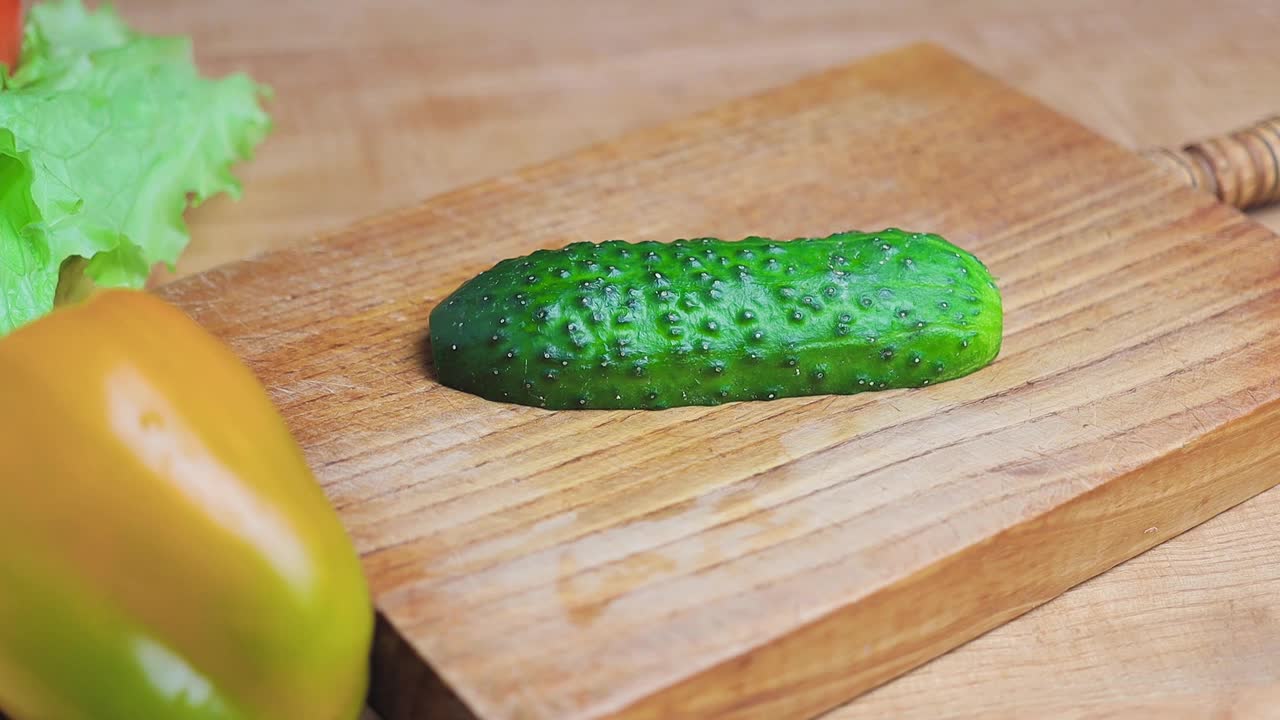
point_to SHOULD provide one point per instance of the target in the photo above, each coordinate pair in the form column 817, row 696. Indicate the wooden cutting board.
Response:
column 771, row 560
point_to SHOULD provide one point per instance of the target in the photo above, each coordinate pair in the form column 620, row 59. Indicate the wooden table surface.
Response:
column 381, row 104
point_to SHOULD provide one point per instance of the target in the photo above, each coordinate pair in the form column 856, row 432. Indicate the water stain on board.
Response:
column 586, row 595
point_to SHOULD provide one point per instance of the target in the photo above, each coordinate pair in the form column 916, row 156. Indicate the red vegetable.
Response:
column 10, row 32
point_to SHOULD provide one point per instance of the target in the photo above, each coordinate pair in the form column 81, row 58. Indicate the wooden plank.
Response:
column 647, row 564
column 379, row 105
column 466, row 90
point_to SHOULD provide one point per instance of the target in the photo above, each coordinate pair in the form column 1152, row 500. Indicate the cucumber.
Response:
column 652, row 325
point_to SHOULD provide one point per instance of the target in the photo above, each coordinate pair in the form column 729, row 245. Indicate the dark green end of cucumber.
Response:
column 652, row 325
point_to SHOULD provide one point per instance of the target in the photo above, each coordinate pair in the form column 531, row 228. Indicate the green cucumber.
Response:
column 651, row 325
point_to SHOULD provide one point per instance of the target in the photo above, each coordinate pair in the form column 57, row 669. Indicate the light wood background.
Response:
column 382, row 103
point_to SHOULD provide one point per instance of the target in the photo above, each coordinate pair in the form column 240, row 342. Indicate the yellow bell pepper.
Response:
column 165, row 553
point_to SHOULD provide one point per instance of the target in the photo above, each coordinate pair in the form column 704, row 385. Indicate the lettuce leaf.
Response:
column 107, row 136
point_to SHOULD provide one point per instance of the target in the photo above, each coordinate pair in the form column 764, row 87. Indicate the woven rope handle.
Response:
column 1241, row 168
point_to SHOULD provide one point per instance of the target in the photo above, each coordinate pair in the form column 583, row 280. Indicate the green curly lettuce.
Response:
column 107, row 136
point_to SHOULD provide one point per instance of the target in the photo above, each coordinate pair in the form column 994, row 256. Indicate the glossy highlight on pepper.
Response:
column 165, row 552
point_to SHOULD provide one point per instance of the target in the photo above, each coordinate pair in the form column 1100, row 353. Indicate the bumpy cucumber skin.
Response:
column 650, row 325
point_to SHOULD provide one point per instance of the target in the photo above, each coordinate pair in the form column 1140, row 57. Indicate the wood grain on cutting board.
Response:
column 501, row 84
column 769, row 560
